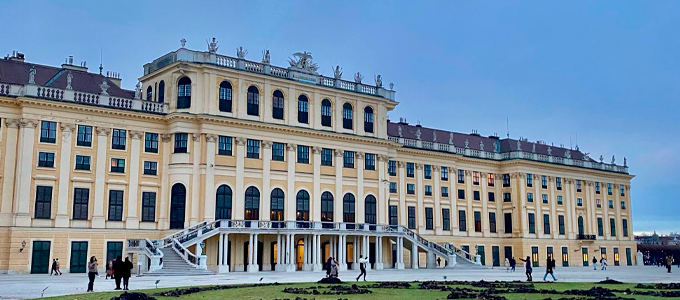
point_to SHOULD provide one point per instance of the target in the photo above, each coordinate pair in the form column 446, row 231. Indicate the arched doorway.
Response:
column 177, row 206
column 302, row 209
column 327, row 209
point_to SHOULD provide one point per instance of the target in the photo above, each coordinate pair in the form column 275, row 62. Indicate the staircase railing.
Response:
column 189, row 257
column 460, row 252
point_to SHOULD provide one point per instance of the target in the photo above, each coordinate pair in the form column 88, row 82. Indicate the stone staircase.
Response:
column 175, row 265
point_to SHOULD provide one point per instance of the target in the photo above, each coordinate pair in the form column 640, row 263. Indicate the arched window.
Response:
column 223, row 203
column 253, row 101
column 368, row 119
column 184, row 93
column 302, row 206
column 347, row 116
column 277, row 105
column 326, row 111
column 161, row 92
column 225, row 96
column 277, row 202
column 149, row 93
column 178, row 197
column 327, row 208
column 348, row 207
column 370, row 210
column 252, row 203
column 303, row 109
column 580, row 225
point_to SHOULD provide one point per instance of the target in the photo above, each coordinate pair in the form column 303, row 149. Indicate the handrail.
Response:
column 189, row 257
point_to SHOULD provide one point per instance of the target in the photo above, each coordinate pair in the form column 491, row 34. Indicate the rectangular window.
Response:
column 506, row 180
column 394, row 215
column 612, row 224
column 616, row 256
column 393, row 187
column 546, row 224
column 253, row 149
column 597, row 188
column 490, row 181
column 598, row 202
column 534, row 256
column 302, row 154
column 181, row 142
column 600, row 227
column 225, row 145
column 446, row 219
column 530, row 180
column 623, row 193
column 475, row 178
column 428, row 171
column 629, row 257
column 578, row 185
column 545, row 198
column 461, row 176
column 115, row 205
column 579, row 201
column 445, row 191
column 410, row 188
column 558, row 183
column 412, row 217
column 544, row 181
column 45, row 159
column 611, row 204
column 428, row 190
column 625, row 227
column 609, row 189
column 478, row 221
column 508, row 222
column 461, row 194
column 43, row 202
column 492, row 197
column 327, row 157
column 492, row 222
column 532, row 223
column 530, row 197
column 560, row 221
column 392, row 168
column 506, row 197
column 462, row 222
column 118, row 139
column 148, row 207
column 410, row 170
column 623, row 204
column 429, row 222
column 82, row 162
column 445, row 174
column 117, row 165
column 565, row 256
column 81, row 198
column 150, row 168
column 348, row 157
column 476, row 196
column 369, row 162
column 559, row 200
column 48, row 132
column 84, row 136
column 151, row 142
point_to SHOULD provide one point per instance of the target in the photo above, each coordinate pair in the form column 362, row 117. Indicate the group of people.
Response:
column 332, row 267
column 603, row 263
column 117, row 269
column 510, row 264
column 56, row 267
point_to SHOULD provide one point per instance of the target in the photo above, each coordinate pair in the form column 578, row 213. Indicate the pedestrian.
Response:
column 58, row 271
column 513, row 263
column 54, row 267
column 439, row 262
column 113, row 270
column 334, row 268
column 603, row 262
column 549, row 266
column 109, row 264
column 328, row 266
column 362, row 267
column 507, row 265
column 527, row 267
column 594, row 263
column 127, row 272
column 91, row 273
column 669, row 263
column 117, row 271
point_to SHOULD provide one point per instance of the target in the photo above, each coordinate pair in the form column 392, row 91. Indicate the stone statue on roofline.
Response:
column 613, row 159
column 519, row 146
column 212, row 45
column 467, row 143
column 105, row 86
column 450, row 138
column 358, row 77
column 567, row 154
column 303, row 62
column 399, row 129
column 418, row 134
column 481, row 145
column 183, row 42
column 138, row 90
column 549, row 151
column 378, row 81
column 337, row 72
column 265, row 57
column 69, row 81
column 241, row 52
column 31, row 75
column 601, row 159
column 533, row 148
column 391, row 86
column 434, row 136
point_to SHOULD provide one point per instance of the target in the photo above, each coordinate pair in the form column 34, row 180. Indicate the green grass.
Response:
column 271, row 292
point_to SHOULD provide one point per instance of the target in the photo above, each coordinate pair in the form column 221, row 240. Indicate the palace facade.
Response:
column 222, row 164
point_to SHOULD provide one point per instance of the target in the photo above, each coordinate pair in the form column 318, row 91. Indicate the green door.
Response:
column 480, row 250
column 113, row 250
column 40, row 263
column 495, row 251
column 78, row 257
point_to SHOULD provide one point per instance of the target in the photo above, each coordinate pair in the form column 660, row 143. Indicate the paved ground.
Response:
column 31, row 286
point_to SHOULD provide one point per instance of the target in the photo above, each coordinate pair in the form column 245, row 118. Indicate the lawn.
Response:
column 413, row 290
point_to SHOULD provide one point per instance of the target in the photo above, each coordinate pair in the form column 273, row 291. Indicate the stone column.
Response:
column 278, row 253
column 470, row 212
column 553, row 202
column 238, row 205
column 305, row 255
column 521, row 212
column 383, row 193
column 292, row 267
column 62, row 219
column 225, row 257
column 378, row 253
column 453, row 195
column 343, row 253
column 22, row 197
column 100, row 177
column 10, row 156
column 437, row 191
column 402, row 193
column 132, row 220
column 209, row 192
column 316, row 196
column 400, row 253
column 361, row 198
column 265, row 204
column 290, row 193
column 414, row 256
column 165, row 182
column 220, row 252
column 355, row 255
column 420, row 191
column 251, row 253
column 484, row 198
column 195, row 194
column 337, row 205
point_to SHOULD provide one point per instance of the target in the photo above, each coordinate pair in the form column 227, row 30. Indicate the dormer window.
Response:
column 368, row 119
column 303, row 109
column 184, row 93
column 225, row 96
column 347, row 116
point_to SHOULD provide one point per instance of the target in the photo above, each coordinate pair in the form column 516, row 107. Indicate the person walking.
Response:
column 594, row 263
column 603, row 262
column 127, row 272
column 527, row 267
column 109, row 265
column 669, row 263
column 549, row 266
column 117, row 271
column 91, row 273
column 54, row 267
column 507, row 265
column 58, row 266
column 328, row 266
column 334, row 268
column 439, row 262
column 362, row 267
column 513, row 263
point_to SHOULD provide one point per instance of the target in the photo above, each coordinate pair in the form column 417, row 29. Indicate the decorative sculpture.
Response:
column 183, row 42
column 601, row 159
column 434, row 136
column 481, row 145
column 391, row 86
column 399, row 130
column 358, row 77
column 265, row 57
column 378, row 81
column 104, row 86
column 303, row 62
column 496, row 146
column 337, row 73
column 31, row 75
column 519, row 146
column 549, row 151
column 625, row 162
column 613, row 159
column 418, row 134
column 533, row 148
column 212, row 46
column 567, row 154
column 466, row 144
column 138, row 90
column 69, row 80
column 451, row 138
column 241, row 52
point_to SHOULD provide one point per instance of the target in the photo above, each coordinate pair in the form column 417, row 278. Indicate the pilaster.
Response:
column 290, row 193
column 361, row 197
column 265, row 205
column 132, row 220
column 238, row 210
column 10, row 156
column 98, row 220
column 337, row 205
column 195, row 190
column 316, row 204
column 165, row 182
column 209, row 194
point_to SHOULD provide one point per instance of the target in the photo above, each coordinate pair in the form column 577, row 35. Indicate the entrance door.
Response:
column 78, row 257
column 245, row 256
column 496, row 255
column 177, row 206
column 371, row 254
column 586, row 259
column 394, row 257
column 113, row 250
column 273, row 254
column 481, row 254
column 40, row 262
column 260, row 253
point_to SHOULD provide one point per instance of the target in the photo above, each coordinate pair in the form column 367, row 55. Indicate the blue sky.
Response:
column 607, row 71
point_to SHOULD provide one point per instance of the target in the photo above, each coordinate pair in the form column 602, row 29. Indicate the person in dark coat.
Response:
column 54, row 267
column 328, row 266
column 549, row 266
column 594, row 263
column 127, row 272
column 513, row 263
column 527, row 266
column 91, row 273
column 118, row 271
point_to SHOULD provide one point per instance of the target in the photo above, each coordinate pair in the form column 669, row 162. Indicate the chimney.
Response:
column 70, row 66
column 114, row 77
column 17, row 56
